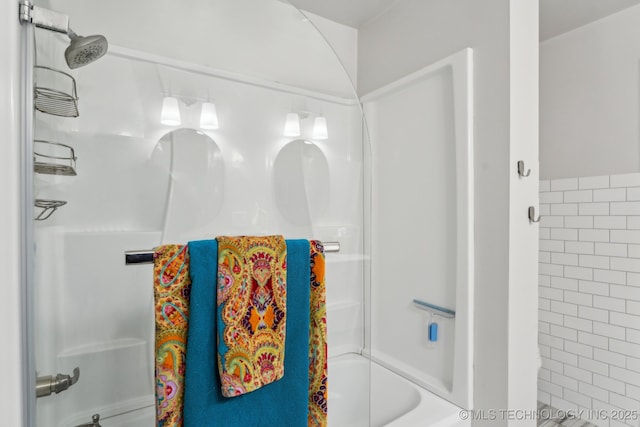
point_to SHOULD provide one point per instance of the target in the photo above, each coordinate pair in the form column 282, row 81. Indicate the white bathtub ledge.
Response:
column 432, row 411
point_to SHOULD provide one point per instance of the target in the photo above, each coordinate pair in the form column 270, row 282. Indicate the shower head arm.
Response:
column 44, row 18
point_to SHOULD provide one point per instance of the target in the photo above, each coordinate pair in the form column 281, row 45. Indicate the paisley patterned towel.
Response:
column 172, row 286
column 252, row 304
column 317, row 339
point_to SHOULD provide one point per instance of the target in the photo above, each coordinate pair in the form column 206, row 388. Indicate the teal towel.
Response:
column 282, row 403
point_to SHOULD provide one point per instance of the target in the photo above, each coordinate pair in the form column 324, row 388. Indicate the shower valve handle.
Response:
column 50, row 384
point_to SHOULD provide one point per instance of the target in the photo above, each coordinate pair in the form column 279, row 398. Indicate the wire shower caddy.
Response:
column 62, row 101
column 55, row 92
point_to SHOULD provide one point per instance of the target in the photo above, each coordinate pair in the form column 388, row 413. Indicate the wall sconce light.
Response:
column 292, row 125
column 320, row 128
column 170, row 114
column 208, row 116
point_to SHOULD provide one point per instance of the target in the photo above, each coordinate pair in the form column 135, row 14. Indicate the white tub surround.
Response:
column 423, row 185
column 171, row 186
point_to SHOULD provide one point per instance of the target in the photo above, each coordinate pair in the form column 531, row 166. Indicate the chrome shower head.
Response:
column 84, row 50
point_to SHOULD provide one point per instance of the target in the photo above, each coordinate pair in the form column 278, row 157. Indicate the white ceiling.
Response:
column 556, row 16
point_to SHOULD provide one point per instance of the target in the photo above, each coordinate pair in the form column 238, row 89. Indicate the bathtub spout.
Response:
column 50, row 384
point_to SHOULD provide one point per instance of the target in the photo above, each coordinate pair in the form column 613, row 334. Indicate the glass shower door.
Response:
column 133, row 183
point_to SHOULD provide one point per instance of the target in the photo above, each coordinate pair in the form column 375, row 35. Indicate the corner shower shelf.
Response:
column 62, row 101
column 48, row 208
column 53, row 158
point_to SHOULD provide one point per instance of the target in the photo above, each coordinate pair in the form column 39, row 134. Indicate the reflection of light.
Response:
column 209, row 116
column 292, row 125
column 308, row 142
column 170, row 114
column 320, row 128
column 236, row 158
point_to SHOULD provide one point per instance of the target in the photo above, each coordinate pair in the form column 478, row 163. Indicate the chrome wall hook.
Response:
column 521, row 171
column 532, row 215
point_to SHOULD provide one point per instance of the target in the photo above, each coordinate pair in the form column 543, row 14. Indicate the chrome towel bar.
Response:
column 146, row 256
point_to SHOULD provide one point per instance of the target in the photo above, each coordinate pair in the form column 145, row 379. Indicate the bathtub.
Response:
column 395, row 401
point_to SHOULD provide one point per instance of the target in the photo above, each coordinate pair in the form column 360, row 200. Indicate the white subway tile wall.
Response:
column 589, row 312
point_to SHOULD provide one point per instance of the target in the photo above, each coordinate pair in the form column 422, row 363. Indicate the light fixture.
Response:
column 170, row 114
column 292, row 125
column 320, row 128
column 208, row 116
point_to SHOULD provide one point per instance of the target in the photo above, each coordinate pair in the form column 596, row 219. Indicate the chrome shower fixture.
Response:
column 84, row 50
column 81, row 50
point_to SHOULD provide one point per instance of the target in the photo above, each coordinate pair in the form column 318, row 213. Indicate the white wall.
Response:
column 11, row 403
column 413, row 34
column 523, row 236
column 589, row 99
